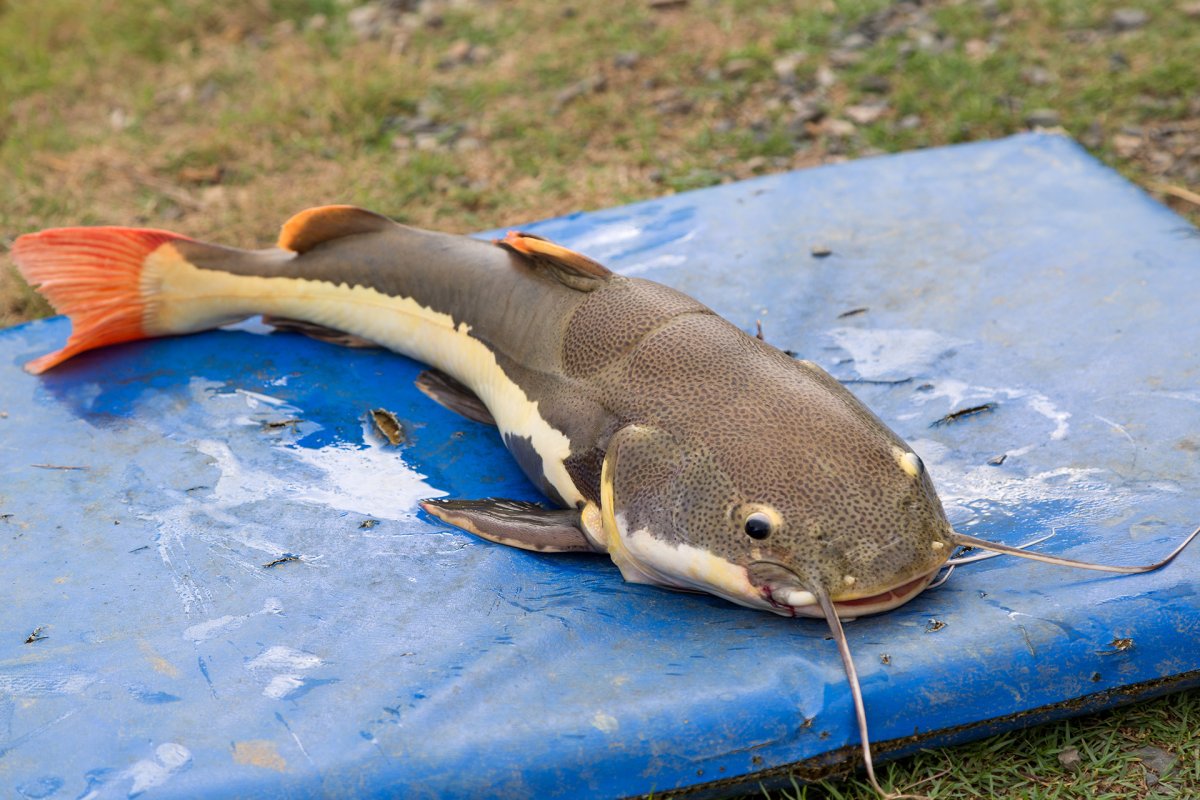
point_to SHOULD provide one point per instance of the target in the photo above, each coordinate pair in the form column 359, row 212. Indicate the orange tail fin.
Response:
column 93, row 275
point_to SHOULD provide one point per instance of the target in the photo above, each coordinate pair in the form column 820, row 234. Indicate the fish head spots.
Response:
column 756, row 457
column 776, row 461
column 848, row 518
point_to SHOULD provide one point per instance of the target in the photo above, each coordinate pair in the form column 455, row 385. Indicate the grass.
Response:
column 220, row 120
column 1024, row 764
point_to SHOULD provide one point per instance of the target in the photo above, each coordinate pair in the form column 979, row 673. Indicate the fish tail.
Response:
column 111, row 282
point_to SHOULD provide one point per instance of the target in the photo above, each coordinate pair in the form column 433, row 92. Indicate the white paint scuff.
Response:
column 169, row 759
column 892, row 353
column 605, row 723
column 203, row 631
column 288, row 664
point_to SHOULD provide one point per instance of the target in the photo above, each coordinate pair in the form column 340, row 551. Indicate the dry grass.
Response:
column 221, row 120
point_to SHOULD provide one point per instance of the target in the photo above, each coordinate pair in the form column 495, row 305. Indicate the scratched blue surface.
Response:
column 395, row 655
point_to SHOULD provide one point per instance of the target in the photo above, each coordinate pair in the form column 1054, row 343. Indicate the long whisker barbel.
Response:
column 953, row 562
column 970, row 541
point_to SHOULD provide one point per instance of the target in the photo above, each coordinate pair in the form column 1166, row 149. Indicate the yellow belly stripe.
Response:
column 183, row 298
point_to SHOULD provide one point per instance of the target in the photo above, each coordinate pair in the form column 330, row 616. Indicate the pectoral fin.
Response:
column 528, row 526
column 445, row 391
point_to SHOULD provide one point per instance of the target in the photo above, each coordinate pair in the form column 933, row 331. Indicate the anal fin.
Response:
column 515, row 523
column 447, row 392
column 318, row 332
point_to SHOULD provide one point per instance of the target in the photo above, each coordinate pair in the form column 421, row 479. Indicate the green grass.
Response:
column 296, row 113
column 1024, row 763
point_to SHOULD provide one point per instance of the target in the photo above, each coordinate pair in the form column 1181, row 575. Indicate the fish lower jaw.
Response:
column 799, row 603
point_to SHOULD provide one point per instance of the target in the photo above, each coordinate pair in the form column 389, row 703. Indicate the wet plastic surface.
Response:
column 230, row 591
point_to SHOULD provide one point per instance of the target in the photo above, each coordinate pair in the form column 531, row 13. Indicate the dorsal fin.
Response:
column 574, row 269
column 313, row 226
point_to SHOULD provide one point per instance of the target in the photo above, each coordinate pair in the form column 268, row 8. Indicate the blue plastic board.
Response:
column 146, row 490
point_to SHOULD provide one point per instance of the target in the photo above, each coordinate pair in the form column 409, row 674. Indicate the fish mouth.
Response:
column 787, row 600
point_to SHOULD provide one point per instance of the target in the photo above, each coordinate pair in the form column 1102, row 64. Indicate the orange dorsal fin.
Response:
column 574, row 269
column 315, row 226
column 94, row 276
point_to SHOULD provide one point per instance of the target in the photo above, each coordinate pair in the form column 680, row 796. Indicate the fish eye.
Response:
column 758, row 525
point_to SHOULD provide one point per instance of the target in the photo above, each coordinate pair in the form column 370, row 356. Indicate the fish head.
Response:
column 806, row 494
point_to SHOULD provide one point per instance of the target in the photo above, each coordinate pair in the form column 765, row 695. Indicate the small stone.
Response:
column 909, row 122
column 1070, row 760
column 723, row 126
column 673, row 101
column 738, row 67
column 866, row 114
column 1093, row 137
column 785, row 66
column 996, row 461
column 458, row 53
column 841, row 58
column 627, row 60
column 1037, row 76
column 840, row 128
column 756, row 164
column 595, row 83
column 317, row 22
column 118, row 119
column 1161, row 162
column 806, row 110
column 213, row 197
column 1117, row 62
column 855, row 41
column 1128, row 19
column 1042, row 118
column 976, row 49
column 427, row 142
column 366, row 21
column 926, row 40
column 1126, row 146
column 467, row 144
column 1191, row 10
column 1156, row 760
column 821, row 251
column 826, row 77
column 875, row 84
